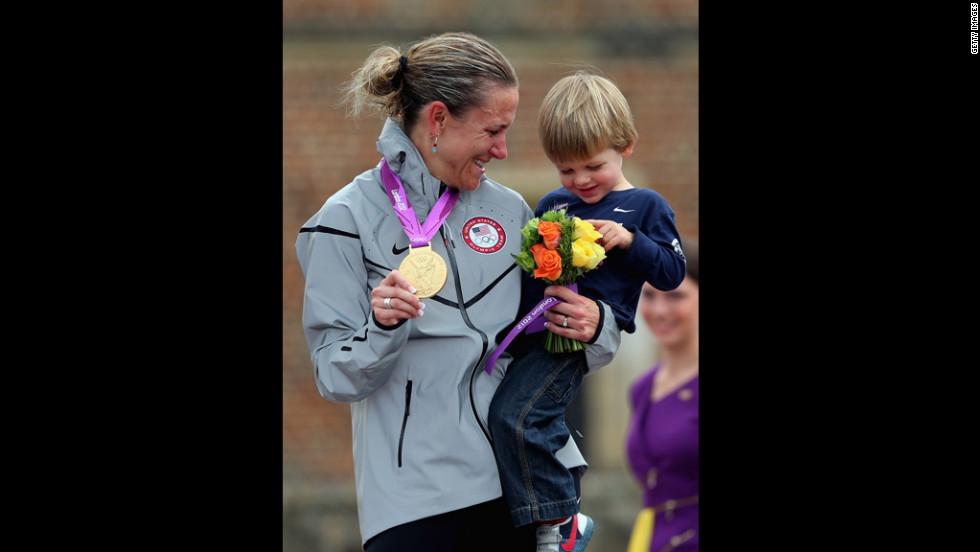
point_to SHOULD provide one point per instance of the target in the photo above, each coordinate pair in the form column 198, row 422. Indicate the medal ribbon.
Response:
column 418, row 234
column 533, row 322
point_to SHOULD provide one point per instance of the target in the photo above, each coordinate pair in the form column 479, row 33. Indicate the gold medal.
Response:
column 425, row 269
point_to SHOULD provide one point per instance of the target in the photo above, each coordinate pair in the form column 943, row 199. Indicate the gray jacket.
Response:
column 418, row 394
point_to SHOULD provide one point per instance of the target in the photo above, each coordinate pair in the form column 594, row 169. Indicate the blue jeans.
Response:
column 527, row 423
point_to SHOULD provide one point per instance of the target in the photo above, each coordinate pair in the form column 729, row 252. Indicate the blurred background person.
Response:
column 662, row 441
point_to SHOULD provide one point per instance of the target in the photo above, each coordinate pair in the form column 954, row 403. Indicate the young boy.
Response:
column 586, row 129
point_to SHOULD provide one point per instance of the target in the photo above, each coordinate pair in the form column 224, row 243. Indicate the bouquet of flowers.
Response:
column 558, row 249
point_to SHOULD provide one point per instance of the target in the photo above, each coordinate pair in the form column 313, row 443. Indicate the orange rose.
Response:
column 548, row 261
column 550, row 232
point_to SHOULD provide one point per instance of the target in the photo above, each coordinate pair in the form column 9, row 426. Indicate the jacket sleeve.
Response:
column 352, row 355
column 601, row 350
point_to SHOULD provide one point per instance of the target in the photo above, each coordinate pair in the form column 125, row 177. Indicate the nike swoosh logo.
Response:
column 396, row 251
column 568, row 546
column 618, row 210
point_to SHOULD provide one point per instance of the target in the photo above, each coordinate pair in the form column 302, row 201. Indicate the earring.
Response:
column 434, row 144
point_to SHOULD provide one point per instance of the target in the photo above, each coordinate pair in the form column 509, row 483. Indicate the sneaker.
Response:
column 571, row 536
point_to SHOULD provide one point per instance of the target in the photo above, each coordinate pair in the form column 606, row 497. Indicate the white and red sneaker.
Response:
column 572, row 535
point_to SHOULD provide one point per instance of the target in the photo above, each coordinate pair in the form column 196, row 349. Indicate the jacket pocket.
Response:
column 408, row 407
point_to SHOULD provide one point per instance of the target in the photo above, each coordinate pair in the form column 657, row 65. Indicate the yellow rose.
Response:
column 585, row 230
column 586, row 253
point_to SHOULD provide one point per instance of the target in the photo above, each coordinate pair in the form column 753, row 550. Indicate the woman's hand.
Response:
column 613, row 234
column 402, row 304
column 577, row 317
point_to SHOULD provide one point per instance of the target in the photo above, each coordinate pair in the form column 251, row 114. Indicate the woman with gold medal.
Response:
column 402, row 306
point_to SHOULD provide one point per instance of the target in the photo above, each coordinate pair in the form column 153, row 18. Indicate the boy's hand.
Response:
column 613, row 234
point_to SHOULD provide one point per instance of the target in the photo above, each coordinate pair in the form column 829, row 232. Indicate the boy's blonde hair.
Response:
column 582, row 115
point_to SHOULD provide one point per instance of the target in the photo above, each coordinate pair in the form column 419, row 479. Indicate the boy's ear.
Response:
column 628, row 150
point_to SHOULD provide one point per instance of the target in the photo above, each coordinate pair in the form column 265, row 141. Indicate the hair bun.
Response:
column 396, row 81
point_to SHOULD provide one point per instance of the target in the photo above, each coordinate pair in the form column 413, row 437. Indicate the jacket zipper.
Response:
column 462, row 309
column 408, row 405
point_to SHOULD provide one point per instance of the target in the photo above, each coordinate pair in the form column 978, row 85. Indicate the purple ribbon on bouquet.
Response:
column 533, row 322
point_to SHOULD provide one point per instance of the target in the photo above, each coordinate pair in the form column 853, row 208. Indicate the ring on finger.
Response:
column 564, row 323
column 387, row 302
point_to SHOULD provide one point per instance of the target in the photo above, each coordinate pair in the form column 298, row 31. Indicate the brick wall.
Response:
column 482, row 17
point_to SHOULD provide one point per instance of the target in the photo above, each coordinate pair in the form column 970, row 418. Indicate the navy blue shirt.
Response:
column 655, row 256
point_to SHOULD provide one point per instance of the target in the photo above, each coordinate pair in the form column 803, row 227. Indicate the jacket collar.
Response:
column 406, row 161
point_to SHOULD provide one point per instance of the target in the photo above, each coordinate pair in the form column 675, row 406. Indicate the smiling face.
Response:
column 672, row 316
column 469, row 142
column 592, row 178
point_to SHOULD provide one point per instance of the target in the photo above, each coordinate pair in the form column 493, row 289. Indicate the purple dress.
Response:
column 662, row 452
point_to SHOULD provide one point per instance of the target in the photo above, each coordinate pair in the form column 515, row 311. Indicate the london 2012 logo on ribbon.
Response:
column 484, row 235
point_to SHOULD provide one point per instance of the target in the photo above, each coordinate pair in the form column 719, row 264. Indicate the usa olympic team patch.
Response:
column 484, row 235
